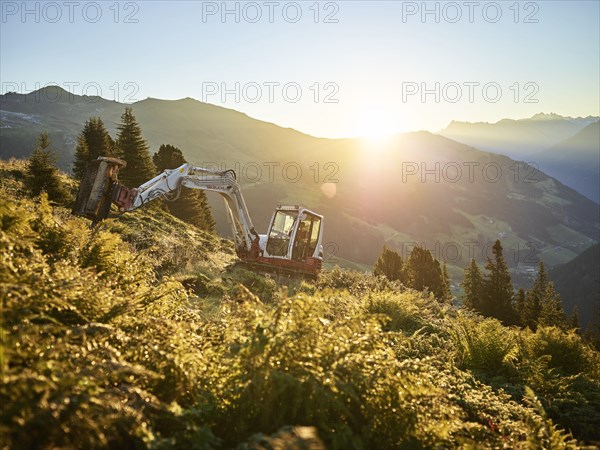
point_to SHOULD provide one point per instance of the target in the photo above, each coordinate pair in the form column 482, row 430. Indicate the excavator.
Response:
column 292, row 246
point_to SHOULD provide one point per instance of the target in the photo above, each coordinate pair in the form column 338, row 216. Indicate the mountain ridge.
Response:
column 541, row 116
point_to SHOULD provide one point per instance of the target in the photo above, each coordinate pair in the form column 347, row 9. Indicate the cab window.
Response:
column 281, row 233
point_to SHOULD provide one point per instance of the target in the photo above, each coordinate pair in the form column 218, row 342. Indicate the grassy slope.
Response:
column 131, row 336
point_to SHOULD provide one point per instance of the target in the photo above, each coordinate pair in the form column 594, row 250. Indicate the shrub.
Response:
column 262, row 286
column 545, row 434
column 355, row 282
column 567, row 351
column 484, row 345
column 404, row 310
column 113, row 260
column 563, row 370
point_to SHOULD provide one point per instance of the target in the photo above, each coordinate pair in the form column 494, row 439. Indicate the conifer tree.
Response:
column 422, row 272
column 594, row 331
column 552, row 311
column 192, row 205
column 535, row 297
column 92, row 142
column 542, row 303
column 42, row 174
column 447, row 293
column 133, row 149
column 497, row 288
column 520, row 300
column 389, row 264
column 473, row 287
column 574, row 319
column 82, row 157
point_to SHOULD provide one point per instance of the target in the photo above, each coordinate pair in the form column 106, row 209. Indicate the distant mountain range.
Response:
column 417, row 188
column 566, row 148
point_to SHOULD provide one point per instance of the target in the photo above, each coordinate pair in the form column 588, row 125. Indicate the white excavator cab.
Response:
column 295, row 234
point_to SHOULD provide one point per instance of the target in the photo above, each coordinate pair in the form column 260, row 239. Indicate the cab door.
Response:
column 306, row 239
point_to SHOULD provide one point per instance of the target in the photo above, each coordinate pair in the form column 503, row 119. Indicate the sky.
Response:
column 330, row 69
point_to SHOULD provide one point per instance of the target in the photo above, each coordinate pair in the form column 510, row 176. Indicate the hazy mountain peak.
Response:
column 544, row 116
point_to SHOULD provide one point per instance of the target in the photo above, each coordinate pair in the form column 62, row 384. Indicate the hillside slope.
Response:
column 576, row 161
column 104, row 347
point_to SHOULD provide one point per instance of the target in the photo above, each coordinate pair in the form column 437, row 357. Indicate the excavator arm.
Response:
column 168, row 186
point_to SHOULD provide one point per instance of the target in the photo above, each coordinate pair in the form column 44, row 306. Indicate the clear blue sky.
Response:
column 376, row 56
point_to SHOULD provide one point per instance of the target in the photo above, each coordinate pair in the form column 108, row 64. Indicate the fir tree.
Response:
column 594, row 331
column 520, row 301
column 574, row 319
column 389, row 264
column 542, row 304
column 42, row 174
column 192, row 205
column 497, row 288
column 535, row 297
column 133, row 149
column 532, row 310
column 422, row 272
column 82, row 157
column 473, row 287
column 168, row 157
column 552, row 313
column 92, row 142
column 446, row 292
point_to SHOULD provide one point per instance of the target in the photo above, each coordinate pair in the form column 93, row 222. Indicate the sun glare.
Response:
column 375, row 126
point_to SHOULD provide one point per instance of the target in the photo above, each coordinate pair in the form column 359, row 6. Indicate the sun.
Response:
column 376, row 125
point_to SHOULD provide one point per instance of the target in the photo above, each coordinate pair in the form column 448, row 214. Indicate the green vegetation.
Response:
column 579, row 286
column 390, row 265
column 132, row 335
column 421, row 271
column 497, row 295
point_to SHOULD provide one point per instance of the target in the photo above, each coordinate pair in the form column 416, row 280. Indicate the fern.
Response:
column 544, row 433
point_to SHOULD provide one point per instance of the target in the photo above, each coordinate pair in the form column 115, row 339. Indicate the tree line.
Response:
column 420, row 271
column 490, row 293
column 94, row 141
